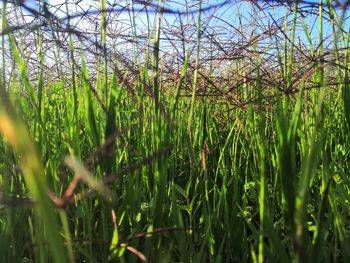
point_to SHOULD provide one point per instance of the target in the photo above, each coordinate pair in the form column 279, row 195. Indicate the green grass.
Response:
column 90, row 172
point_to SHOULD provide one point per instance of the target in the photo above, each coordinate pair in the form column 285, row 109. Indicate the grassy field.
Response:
column 101, row 169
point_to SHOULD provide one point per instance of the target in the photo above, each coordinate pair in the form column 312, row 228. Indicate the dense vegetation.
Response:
column 105, row 165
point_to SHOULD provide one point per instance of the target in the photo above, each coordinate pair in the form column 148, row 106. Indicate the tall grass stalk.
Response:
column 195, row 77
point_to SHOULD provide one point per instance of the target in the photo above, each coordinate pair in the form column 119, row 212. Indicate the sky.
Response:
column 227, row 13
column 227, row 17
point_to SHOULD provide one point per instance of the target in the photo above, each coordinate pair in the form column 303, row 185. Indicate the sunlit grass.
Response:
column 90, row 172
